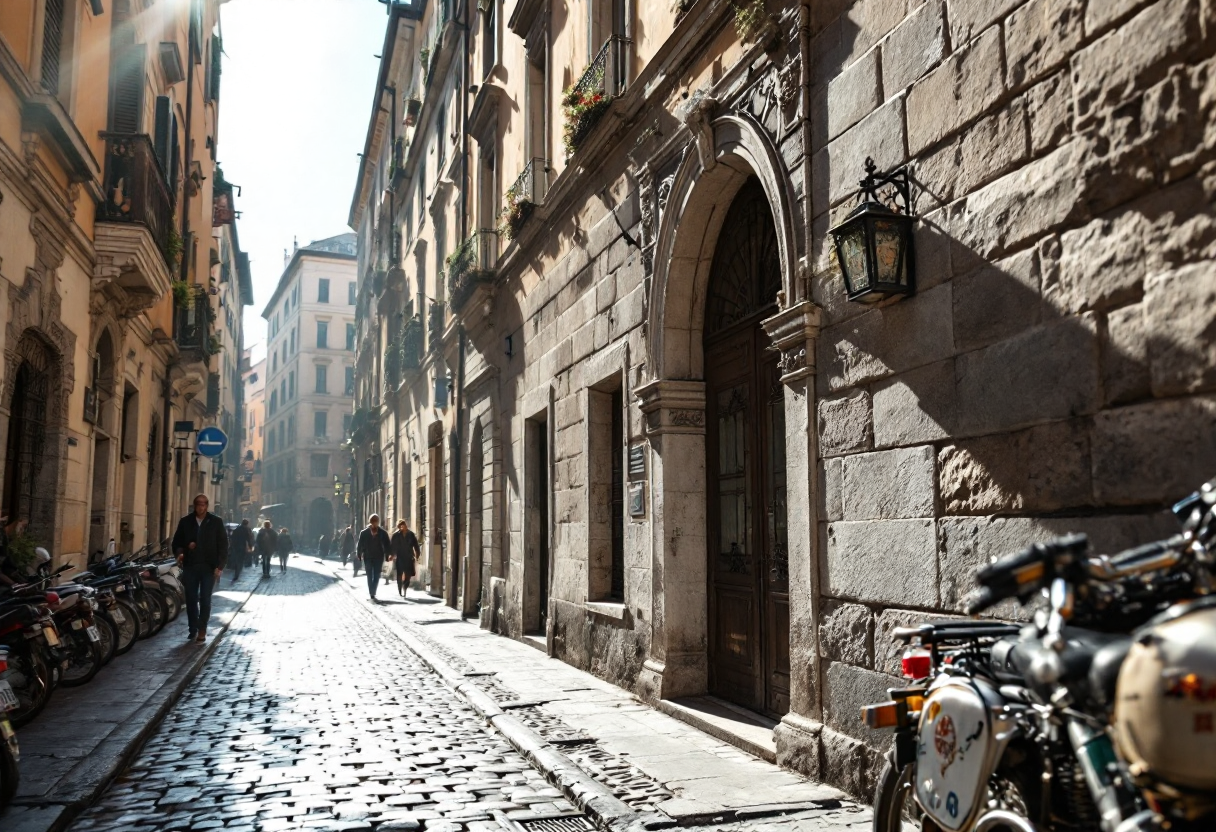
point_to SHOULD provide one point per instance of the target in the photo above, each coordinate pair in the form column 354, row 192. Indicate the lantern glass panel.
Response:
column 851, row 251
column 889, row 252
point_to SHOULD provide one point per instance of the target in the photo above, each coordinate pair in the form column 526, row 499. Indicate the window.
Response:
column 318, row 424
column 605, row 474
column 291, row 384
column 274, row 401
column 291, row 430
column 346, row 421
column 270, row 444
column 52, row 43
column 322, row 335
column 322, row 386
column 319, row 465
column 350, row 294
column 323, row 290
column 283, row 391
column 293, row 340
column 349, row 387
column 350, row 337
column 274, row 362
column 489, row 40
column 441, row 119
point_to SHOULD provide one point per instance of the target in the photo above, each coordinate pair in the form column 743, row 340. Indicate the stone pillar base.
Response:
column 798, row 745
column 681, row 675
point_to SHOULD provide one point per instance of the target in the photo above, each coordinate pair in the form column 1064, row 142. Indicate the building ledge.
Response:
column 130, row 269
column 42, row 113
column 607, row 609
column 744, row 729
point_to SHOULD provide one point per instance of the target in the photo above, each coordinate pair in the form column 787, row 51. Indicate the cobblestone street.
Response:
column 312, row 714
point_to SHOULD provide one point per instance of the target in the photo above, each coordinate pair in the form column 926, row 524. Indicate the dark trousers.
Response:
column 265, row 564
column 238, row 563
column 374, row 567
column 282, row 561
column 198, row 581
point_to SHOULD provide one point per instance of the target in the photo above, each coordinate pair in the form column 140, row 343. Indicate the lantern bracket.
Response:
column 896, row 183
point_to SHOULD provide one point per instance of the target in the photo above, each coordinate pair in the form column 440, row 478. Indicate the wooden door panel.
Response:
column 736, row 659
column 777, row 648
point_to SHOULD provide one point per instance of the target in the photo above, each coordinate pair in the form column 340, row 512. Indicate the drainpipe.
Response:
column 166, row 445
column 457, row 456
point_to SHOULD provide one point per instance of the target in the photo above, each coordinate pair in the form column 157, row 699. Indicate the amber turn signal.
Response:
column 882, row 715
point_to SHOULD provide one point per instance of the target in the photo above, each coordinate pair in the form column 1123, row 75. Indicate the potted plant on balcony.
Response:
column 172, row 248
column 749, row 19
column 516, row 212
column 582, row 108
column 424, row 55
column 181, row 293
column 214, row 344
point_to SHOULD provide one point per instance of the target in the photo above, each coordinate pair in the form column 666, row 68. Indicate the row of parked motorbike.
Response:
column 1098, row 715
column 54, row 634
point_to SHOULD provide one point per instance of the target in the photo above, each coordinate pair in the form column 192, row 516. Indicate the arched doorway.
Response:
column 320, row 522
column 472, row 578
column 104, row 434
column 745, row 464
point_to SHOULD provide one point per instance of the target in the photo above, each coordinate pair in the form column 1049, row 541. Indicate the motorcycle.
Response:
column 1095, row 716
column 9, row 752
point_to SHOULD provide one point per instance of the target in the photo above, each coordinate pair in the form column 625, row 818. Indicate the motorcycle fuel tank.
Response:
column 1165, row 706
column 954, row 742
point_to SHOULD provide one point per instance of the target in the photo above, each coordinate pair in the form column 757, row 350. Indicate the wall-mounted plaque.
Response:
column 637, row 499
column 637, row 462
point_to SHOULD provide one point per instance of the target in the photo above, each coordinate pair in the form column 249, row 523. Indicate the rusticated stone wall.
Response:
column 1056, row 370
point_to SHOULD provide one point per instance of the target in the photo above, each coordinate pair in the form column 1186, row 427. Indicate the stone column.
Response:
column 794, row 331
column 675, row 426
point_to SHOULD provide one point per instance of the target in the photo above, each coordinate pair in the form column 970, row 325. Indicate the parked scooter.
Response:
column 1096, row 716
column 9, row 753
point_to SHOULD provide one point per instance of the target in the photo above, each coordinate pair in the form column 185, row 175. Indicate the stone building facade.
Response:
column 676, row 454
column 108, row 126
column 310, row 367
column 254, row 435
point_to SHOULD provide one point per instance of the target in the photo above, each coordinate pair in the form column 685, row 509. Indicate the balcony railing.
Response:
column 193, row 333
column 522, row 197
column 471, row 265
column 135, row 190
column 411, row 344
column 585, row 103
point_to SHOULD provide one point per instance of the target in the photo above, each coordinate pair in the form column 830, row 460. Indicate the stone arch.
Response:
column 725, row 153
column 690, row 221
column 472, row 571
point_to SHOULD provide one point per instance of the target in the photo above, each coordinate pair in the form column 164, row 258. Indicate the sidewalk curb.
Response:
column 98, row 770
column 590, row 795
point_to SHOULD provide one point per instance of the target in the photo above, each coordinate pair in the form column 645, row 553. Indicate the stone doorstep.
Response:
column 745, row 730
column 55, row 811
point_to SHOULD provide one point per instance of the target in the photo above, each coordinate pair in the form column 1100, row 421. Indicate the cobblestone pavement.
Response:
column 311, row 716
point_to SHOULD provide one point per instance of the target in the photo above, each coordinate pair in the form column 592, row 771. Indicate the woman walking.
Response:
column 405, row 555
column 284, row 549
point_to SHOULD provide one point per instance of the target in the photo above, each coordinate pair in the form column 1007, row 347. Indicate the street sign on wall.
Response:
column 212, row 441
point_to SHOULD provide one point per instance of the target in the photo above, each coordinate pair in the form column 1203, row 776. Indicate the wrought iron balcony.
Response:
column 135, row 190
column 411, row 344
column 590, row 97
column 473, row 264
column 193, row 325
column 522, row 197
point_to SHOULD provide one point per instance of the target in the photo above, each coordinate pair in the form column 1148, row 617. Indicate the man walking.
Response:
column 285, row 546
column 267, row 545
column 201, row 546
column 348, row 545
column 374, row 544
column 241, row 544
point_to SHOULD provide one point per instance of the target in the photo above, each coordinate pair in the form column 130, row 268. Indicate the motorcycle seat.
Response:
column 1077, row 659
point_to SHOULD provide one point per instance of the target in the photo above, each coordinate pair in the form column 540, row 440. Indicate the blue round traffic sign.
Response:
column 212, row 441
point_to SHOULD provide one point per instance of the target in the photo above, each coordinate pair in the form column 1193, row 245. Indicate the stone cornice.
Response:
column 671, row 406
column 129, row 267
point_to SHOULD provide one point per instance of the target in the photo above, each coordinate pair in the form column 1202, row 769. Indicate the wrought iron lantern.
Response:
column 874, row 242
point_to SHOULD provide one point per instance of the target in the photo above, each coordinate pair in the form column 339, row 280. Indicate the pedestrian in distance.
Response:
column 10, row 573
column 285, row 547
column 323, row 547
column 348, row 544
column 267, row 546
column 201, row 546
column 240, row 544
column 406, row 552
column 374, row 545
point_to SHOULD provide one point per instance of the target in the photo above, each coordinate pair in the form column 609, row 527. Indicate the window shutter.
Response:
column 213, row 393
column 52, row 40
column 173, row 158
column 127, row 107
column 160, row 140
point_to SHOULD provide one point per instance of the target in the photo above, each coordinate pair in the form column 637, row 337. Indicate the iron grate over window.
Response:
column 555, row 823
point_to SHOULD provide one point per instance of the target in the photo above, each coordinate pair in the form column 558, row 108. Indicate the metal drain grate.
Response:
column 556, row 823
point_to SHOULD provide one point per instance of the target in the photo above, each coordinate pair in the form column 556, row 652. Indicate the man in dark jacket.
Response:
column 267, row 545
column 348, row 545
column 201, row 546
column 240, row 544
column 374, row 544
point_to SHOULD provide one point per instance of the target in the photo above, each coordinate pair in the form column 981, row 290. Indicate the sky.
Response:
column 295, row 98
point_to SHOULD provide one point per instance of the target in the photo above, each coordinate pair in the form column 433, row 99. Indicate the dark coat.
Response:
column 267, row 542
column 406, row 550
column 285, row 544
column 374, row 546
column 210, row 541
column 348, row 542
column 241, row 538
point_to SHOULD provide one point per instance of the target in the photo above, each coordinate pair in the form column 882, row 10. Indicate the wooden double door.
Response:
column 749, row 620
